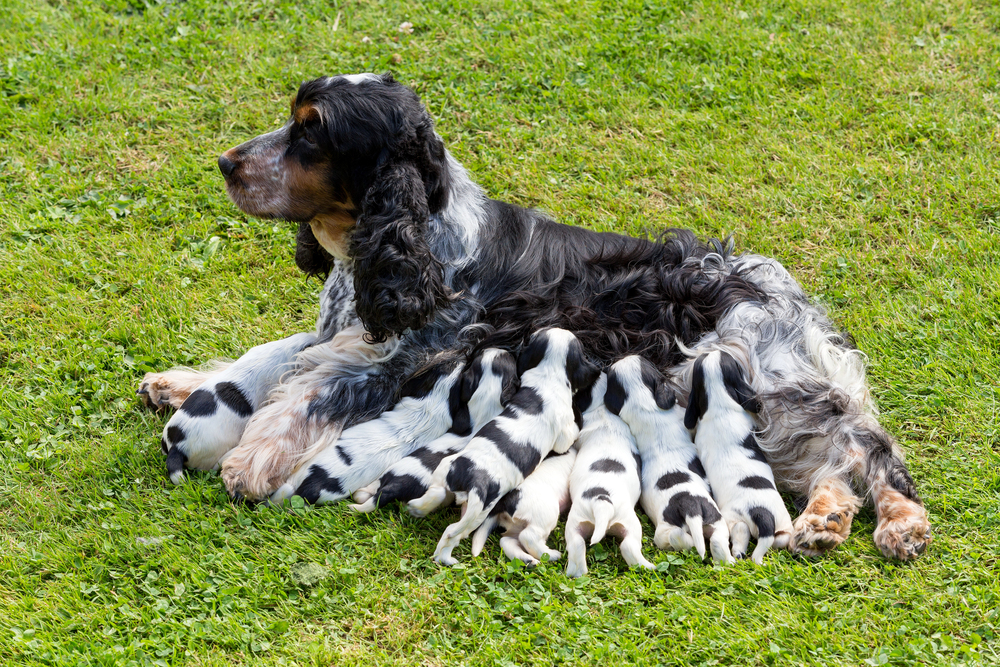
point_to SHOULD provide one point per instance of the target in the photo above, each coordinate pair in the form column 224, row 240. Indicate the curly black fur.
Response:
column 311, row 258
column 398, row 283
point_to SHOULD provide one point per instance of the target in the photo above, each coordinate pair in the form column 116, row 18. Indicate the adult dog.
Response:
column 416, row 253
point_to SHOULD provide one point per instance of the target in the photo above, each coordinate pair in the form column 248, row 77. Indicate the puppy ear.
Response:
column 698, row 400
column 654, row 380
column 581, row 372
column 505, row 368
column 532, row 353
column 461, row 420
column 311, row 258
column 398, row 283
column 736, row 385
column 615, row 394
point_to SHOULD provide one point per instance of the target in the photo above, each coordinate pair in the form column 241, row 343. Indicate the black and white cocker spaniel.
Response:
column 418, row 259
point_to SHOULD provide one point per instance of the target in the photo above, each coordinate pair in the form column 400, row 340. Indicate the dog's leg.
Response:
column 159, row 391
column 903, row 531
column 291, row 430
column 211, row 419
column 533, row 539
column 472, row 515
column 514, row 550
column 826, row 520
column 576, row 545
column 630, row 532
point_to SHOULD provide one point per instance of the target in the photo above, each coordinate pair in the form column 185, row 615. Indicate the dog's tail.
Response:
column 695, row 525
column 604, row 512
column 482, row 534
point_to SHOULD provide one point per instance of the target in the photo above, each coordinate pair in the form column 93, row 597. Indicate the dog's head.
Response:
column 359, row 167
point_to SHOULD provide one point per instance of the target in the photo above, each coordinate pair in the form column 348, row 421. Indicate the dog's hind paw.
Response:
column 903, row 531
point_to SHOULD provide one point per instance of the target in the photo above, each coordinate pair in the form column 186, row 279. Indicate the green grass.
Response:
column 857, row 141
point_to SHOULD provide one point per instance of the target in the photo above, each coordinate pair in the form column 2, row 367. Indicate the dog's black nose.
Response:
column 226, row 166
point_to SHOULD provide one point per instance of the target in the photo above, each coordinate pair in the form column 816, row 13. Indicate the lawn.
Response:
column 857, row 141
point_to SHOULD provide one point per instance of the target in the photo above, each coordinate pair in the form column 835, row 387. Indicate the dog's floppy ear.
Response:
column 398, row 283
column 615, row 394
column 505, row 368
column 736, row 385
column 581, row 372
column 653, row 378
column 698, row 400
column 311, row 258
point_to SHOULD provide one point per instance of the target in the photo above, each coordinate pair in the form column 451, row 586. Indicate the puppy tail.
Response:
column 604, row 512
column 695, row 525
column 482, row 534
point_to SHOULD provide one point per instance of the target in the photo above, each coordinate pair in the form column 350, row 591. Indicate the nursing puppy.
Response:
column 485, row 386
column 720, row 405
column 604, row 485
column 675, row 494
column 538, row 420
column 530, row 512
column 427, row 409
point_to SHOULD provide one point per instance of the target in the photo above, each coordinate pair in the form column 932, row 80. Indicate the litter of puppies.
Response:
column 517, row 448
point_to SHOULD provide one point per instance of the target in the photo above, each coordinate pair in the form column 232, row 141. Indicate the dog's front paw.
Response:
column 159, row 391
column 904, row 535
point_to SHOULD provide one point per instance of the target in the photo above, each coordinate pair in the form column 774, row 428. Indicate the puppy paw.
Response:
column 904, row 536
column 815, row 534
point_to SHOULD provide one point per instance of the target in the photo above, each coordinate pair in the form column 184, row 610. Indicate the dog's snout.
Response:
column 226, row 166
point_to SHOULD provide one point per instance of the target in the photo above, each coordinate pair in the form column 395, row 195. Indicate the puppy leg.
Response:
column 576, row 544
column 159, row 391
column 826, row 521
column 364, row 494
column 513, row 549
column 434, row 498
column 533, row 539
column 739, row 535
column 630, row 533
column 473, row 514
column 672, row 538
column 718, row 541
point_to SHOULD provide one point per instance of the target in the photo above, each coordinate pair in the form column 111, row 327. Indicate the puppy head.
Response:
column 492, row 371
column 558, row 346
column 359, row 163
column 636, row 378
column 711, row 373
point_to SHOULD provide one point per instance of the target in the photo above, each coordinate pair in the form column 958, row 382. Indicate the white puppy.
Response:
column 675, row 494
column 485, row 386
column 530, row 512
column 365, row 451
column 507, row 449
column 741, row 478
column 604, row 484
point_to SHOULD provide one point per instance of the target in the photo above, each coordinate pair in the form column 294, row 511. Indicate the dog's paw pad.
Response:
column 815, row 534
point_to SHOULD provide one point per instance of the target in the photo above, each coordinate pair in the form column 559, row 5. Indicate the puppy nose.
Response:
column 226, row 166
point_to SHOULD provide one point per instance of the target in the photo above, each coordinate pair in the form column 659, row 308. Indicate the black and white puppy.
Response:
column 720, row 405
column 675, row 494
column 604, row 485
column 426, row 410
column 529, row 513
column 485, row 387
column 538, row 420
